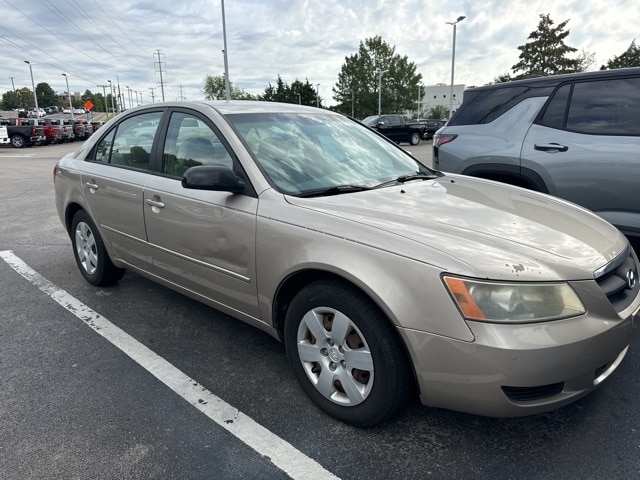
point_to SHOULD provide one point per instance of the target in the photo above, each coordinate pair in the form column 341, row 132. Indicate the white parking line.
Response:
column 281, row 453
column 16, row 155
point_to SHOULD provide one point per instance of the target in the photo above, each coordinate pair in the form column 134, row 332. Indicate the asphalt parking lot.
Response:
column 99, row 383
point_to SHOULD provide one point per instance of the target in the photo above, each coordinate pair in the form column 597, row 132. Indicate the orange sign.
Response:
column 88, row 105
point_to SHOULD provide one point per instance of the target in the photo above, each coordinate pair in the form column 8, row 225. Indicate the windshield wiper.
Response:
column 335, row 190
column 408, row 178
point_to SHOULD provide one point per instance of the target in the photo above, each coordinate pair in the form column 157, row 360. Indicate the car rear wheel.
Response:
column 415, row 138
column 18, row 141
column 90, row 253
column 345, row 353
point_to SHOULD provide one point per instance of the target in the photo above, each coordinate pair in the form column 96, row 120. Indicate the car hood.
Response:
column 476, row 227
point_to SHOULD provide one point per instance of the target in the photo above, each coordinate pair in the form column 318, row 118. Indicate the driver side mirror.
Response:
column 216, row 178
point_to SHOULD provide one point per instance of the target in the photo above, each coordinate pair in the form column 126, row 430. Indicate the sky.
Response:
column 132, row 43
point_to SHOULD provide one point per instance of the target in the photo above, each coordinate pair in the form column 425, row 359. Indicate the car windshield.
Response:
column 302, row 153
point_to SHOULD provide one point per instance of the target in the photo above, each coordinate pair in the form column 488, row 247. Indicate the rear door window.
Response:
column 608, row 107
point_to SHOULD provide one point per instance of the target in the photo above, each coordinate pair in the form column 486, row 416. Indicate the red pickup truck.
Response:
column 53, row 129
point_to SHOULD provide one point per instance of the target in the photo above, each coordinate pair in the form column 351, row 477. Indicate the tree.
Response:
column 11, row 100
column 298, row 92
column 214, row 89
column 357, row 88
column 439, row 111
column 46, row 95
column 629, row 58
column 546, row 54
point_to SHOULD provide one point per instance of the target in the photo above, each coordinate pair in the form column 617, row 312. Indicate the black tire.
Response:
column 349, row 331
column 18, row 141
column 414, row 139
column 90, row 253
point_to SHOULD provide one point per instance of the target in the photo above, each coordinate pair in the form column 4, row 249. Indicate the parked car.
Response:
column 4, row 136
column 23, row 134
column 396, row 128
column 57, row 128
column 431, row 126
column 85, row 127
column 574, row 136
column 71, row 129
column 52, row 132
column 381, row 276
column 96, row 125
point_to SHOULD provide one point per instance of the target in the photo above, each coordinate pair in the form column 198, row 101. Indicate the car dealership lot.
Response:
column 72, row 405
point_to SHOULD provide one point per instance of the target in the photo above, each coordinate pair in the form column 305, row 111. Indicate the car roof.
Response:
column 552, row 80
column 249, row 106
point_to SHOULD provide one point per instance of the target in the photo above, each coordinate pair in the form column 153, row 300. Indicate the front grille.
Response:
column 616, row 278
column 527, row 394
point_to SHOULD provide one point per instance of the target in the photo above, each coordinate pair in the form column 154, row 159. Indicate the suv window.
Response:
column 555, row 114
column 487, row 105
column 606, row 107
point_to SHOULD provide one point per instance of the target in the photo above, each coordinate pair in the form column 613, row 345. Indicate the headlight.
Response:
column 513, row 302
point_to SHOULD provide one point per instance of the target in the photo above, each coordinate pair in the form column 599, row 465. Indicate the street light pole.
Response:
column 69, row 95
column 380, row 73
column 227, row 87
column 35, row 97
column 318, row 95
column 453, row 61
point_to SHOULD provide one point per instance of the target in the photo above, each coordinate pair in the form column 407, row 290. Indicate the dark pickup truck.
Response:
column 396, row 128
column 52, row 129
column 431, row 126
column 22, row 134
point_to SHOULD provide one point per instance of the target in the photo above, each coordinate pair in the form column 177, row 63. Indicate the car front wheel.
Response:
column 414, row 139
column 90, row 253
column 345, row 353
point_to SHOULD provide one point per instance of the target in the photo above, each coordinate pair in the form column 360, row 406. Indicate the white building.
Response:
column 439, row 95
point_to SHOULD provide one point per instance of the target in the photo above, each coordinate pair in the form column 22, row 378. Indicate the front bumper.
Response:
column 521, row 369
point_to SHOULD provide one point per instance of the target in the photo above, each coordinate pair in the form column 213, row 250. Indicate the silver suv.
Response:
column 574, row 136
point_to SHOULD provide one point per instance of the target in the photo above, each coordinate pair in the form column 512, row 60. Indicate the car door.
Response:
column 394, row 128
column 586, row 147
column 113, row 180
column 203, row 241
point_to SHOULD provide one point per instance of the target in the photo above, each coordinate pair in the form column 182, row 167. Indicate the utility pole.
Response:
column 104, row 96
column 113, row 107
column 161, row 82
column 182, row 97
column 14, row 91
column 120, row 101
column 153, row 99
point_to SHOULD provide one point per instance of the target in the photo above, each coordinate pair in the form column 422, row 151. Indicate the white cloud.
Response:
column 96, row 40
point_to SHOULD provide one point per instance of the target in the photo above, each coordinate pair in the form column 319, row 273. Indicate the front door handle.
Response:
column 549, row 147
column 154, row 203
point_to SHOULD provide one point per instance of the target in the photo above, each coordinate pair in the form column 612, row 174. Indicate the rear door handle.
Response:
column 551, row 147
column 91, row 185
